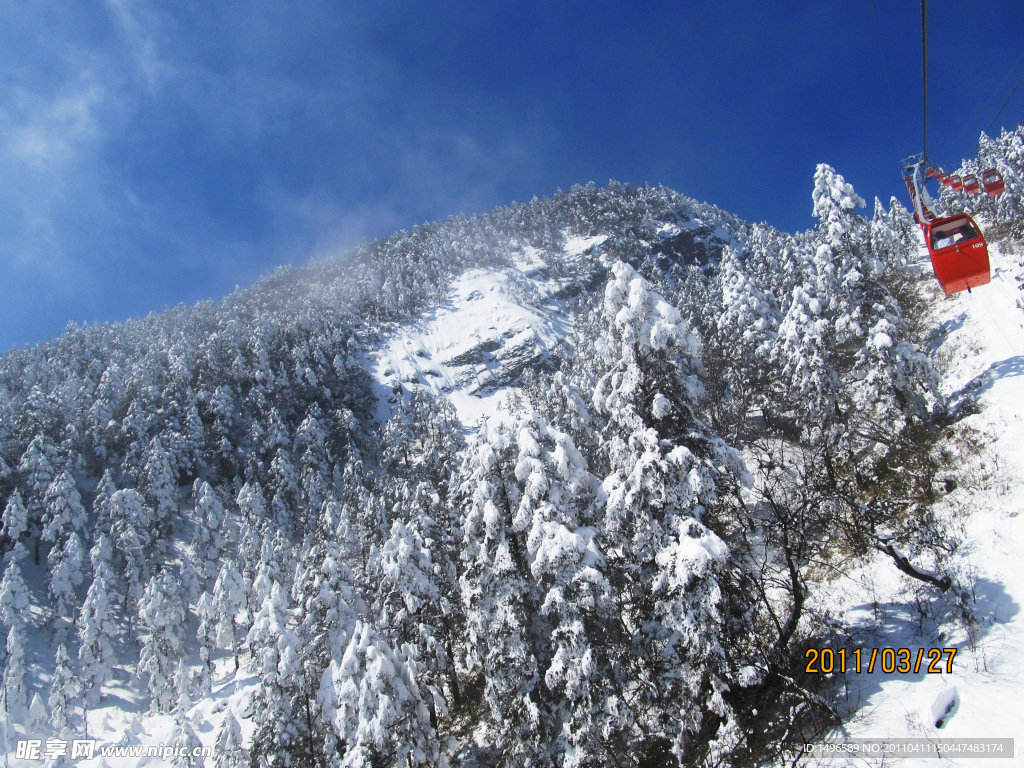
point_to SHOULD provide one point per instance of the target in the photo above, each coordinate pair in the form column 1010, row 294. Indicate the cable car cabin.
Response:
column 971, row 185
column 943, row 179
column 930, row 171
column 958, row 252
column 993, row 182
column 956, row 183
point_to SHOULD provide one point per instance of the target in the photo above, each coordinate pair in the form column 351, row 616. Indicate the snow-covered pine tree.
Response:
column 737, row 347
column 415, row 588
column 228, row 750
column 378, row 710
column 101, row 510
column 97, row 625
column 228, row 604
column 560, row 509
column 285, row 487
column 183, row 690
column 314, row 466
column 15, row 518
column 206, row 636
column 326, row 609
column 669, row 480
column 36, row 469
column 189, row 752
column 14, row 599
column 268, row 625
column 252, row 505
column 505, row 631
column 252, row 509
column 161, row 490
column 130, row 534
column 161, row 638
column 63, row 693
column 38, row 718
column 66, row 573
column 208, row 538
column 15, row 691
column 808, row 384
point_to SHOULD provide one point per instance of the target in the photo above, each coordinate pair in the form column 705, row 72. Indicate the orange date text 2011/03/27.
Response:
column 825, row 661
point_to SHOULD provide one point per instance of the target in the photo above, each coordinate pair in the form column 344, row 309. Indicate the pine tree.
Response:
column 161, row 490
column 97, row 626
column 14, row 689
column 38, row 717
column 208, row 540
column 738, row 346
column 67, row 567
column 15, row 518
column 228, row 749
column 36, row 466
column 501, row 602
column 327, row 606
column 63, row 693
column 162, row 627
column 804, row 354
column 183, row 691
column 188, row 754
column 252, row 505
column 270, row 624
column 207, row 637
column 101, row 503
column 228, row 602
column 14, row 600
column 378, row 710
column 669, row 479
column 130, row 534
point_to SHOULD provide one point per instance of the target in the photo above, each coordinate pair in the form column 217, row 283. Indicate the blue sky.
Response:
column 162, row 151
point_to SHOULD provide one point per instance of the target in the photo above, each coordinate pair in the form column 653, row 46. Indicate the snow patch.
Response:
column 468, row 348
column 576, row 245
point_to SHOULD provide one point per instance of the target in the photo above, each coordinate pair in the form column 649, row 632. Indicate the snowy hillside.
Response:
column 981, row 338
column 581, row 482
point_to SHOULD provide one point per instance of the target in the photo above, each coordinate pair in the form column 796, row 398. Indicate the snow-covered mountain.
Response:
column 580, row 482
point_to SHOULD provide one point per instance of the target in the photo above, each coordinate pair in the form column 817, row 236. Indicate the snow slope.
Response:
column 495, row 324
column 498, row 319
column 981, row 336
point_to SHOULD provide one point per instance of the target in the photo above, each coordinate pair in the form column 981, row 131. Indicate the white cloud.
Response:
column 206, row 143
column 138, row 35
column 56, row 129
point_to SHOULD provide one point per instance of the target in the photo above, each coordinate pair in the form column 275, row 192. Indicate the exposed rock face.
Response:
column 475, row 355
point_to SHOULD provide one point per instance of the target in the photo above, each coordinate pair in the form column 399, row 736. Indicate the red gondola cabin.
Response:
column 993, row 182
column 959, row 253
column 971, row 185
column 956, row 183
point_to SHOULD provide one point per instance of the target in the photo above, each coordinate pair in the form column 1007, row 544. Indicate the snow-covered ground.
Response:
column 981, row 339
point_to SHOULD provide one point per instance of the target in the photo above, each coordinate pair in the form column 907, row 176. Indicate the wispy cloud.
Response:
column 137, row 27
column 186, row 149
column 53, row 131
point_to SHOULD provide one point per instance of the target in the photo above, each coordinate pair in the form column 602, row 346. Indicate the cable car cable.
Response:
column 1021, row 80
column 924, row 79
